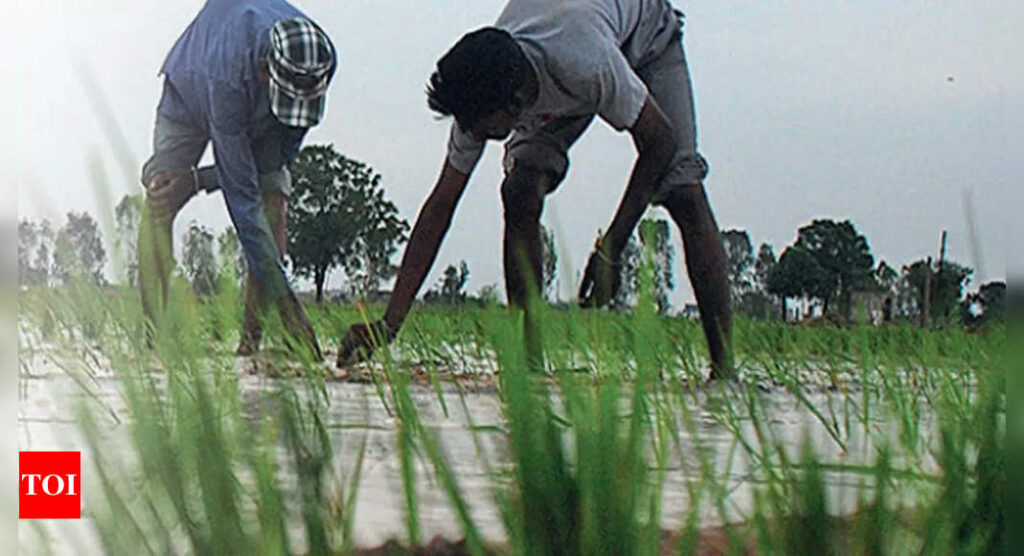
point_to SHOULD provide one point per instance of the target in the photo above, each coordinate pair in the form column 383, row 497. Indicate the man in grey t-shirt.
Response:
column 537, row 78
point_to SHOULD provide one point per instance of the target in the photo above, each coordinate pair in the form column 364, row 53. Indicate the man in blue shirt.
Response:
column 249, row 77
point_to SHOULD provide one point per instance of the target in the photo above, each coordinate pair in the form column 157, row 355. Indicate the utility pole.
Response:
column 942, row 250
column 925, row 313
column 931, row 279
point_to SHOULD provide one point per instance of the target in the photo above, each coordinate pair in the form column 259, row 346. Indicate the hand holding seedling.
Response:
column 361, row 340
column 601, row 280
column 168, row 191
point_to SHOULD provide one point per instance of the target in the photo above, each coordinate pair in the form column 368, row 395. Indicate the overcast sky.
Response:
column 885, row 113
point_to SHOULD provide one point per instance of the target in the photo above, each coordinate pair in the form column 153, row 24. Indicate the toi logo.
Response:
column 50, row 485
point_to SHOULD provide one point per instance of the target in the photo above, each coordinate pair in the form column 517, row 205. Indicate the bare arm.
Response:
column 431, row 225
column 655, row 143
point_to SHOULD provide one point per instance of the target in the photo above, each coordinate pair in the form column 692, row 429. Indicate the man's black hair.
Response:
column 478, row 76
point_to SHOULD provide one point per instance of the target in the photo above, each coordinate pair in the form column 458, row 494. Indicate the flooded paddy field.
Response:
column 449, row 435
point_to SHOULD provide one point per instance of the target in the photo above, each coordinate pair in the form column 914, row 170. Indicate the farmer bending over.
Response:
column 250, row 77
column 538, row 78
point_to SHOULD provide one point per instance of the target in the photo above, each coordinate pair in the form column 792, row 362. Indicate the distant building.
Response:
column 800, row 309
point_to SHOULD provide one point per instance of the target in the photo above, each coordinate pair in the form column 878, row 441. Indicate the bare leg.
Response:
column 253, row 312
column 297, row 326
column 522, row 195
column 705, row 263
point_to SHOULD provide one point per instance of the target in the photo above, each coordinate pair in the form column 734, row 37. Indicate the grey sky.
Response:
column 880, row 112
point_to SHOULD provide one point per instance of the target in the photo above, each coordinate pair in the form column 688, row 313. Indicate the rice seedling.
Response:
column 832, row 439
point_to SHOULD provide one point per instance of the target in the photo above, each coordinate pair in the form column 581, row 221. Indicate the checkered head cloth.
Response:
column 300, row 61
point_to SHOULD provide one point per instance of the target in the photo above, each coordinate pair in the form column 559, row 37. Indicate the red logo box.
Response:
column 49, row 485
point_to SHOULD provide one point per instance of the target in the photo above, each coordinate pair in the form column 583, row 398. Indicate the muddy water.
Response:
column 357, row 415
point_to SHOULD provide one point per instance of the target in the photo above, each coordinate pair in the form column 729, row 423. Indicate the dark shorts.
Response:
column 668, row 81
column 179, row 146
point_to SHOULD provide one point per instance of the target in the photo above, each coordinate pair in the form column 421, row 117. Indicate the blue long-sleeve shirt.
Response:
column 213, row 67
column 214, row 71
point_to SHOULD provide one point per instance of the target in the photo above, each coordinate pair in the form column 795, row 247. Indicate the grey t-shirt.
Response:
column 583, row 52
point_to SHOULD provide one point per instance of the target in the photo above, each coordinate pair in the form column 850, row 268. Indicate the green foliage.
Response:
column 844, row 256
column 748, row 275
column 629, row 265
column 36, row 245
column 203, row 475
column 757, row 304
column 885, row 277
column 339, row 216
column 763, row 265
column 451, row 287
column 79, row 250
column 587, row 442
column 739, row 260
column 656, row 237
column 798, row 274
column 128, row 215
column 198, row 261
column 941, row 287
column 986, row 305
column 231, row 259
column 579, row 471
column 488, row 295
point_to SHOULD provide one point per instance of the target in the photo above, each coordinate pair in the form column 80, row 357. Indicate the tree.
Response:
column 454, row 283
column 26, row 247
column 369, row 262
column 756, row 302
column 45, row 252
column 198, row 260
column 340, row 217
column 488, row 295
column 739, row 260
column 550, row 262
column 451, row 287
column 844, row 256
column 988, row 304
column 128, row 214
column 233, row 266
column 798, row 274
column 35, row 252
column 79, row 250
column 763, row 266
column 656, row 236
column 885, row 277
column 940, row 286
column 629, row 265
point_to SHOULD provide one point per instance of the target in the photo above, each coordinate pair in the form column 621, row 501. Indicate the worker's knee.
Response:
column 522, row 193
column 684, row 198
column 275, row 206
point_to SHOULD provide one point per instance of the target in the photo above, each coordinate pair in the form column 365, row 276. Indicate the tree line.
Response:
column 341, row 219
column 830, row 265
